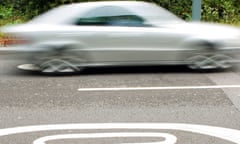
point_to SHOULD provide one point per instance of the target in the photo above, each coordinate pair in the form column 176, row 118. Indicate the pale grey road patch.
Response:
column 229, row 78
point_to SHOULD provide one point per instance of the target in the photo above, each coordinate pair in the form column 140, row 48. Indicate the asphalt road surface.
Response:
column 120, row 105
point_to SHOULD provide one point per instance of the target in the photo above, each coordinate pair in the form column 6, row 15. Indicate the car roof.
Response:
column 113, row 3
column 66, row 13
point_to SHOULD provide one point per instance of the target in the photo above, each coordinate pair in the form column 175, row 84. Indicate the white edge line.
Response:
column 158, row 88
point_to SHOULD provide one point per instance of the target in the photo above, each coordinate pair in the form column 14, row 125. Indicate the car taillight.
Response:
column 8, row 40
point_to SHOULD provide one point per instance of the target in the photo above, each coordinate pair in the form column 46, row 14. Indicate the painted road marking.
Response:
column 158, row 88
column 227, row 134
column 168, row 138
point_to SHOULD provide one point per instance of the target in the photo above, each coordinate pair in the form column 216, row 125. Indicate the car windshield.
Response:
column 155, row 14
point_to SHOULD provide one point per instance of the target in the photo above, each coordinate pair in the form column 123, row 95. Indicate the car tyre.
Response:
column 219, row 61
column 60, row 66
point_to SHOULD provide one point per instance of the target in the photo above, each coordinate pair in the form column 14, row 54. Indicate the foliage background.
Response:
column 224, row 11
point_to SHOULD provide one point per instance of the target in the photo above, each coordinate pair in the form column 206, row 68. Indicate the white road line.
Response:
column 168, row 138
column 231, row 135
column 158, row 88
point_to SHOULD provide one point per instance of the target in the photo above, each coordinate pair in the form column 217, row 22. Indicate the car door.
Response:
column 121, row 36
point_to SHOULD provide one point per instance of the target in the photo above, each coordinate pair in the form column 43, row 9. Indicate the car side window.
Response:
column 110, row 16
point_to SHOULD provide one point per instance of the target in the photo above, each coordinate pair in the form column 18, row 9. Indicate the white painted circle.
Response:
column 169, row 139
column 231, row 135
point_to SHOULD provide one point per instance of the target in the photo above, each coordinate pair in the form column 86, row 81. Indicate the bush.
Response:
column 181, row 8
column 9, row 16
column 224, row 11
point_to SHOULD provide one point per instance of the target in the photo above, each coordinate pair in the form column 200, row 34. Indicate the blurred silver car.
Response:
column 119, row 33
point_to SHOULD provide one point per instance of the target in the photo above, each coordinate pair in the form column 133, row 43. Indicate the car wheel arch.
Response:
column 200, row 44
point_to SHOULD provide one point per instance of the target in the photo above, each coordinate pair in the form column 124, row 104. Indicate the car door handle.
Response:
column 125, row 35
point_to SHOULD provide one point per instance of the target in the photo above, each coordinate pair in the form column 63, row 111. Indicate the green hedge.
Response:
column 224, row 11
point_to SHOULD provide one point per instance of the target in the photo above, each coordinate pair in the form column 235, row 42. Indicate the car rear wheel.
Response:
column 60, row 60
column 60, row 65
column 57, row 66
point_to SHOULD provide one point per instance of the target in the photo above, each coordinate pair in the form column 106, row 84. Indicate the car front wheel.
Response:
column 218, row 61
